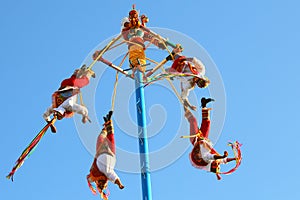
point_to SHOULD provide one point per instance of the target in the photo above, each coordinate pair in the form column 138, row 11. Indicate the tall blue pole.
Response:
column 142, row 133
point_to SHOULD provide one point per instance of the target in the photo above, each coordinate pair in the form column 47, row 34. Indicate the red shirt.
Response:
column 73, row 81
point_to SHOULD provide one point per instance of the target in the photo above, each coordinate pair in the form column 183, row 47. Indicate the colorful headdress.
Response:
column 134, row 18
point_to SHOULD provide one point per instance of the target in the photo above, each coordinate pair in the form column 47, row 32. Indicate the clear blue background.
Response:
column 255, row 45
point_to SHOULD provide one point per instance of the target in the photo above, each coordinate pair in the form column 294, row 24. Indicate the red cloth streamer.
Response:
column 238, row 155
column 26, row 153
column 92, row 187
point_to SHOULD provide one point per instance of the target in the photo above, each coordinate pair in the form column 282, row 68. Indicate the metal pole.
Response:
column 142, row 133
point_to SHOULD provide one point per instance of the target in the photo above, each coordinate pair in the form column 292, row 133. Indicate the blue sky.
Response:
column 254, row 45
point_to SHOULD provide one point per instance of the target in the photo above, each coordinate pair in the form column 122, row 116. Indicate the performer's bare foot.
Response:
column 118, row 182
column 86, row 119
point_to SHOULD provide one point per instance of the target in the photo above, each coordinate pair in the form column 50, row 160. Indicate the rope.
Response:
column 112, row 47
column 116, row 83
column 173, row 88
column 153, row 61
column 115, row 92
column 146, row 47
column 104, row 50
column 166, row 47
column 170, row 82
column 127, row 41
column 81, row 99
column 123, row 59
column 108, row 47
column 190, row 136
column 175, row 91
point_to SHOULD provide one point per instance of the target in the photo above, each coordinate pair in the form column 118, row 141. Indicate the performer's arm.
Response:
column 152, row 39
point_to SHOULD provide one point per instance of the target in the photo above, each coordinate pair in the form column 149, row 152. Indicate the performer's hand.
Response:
column 161, row 45
column 58, row 115
column 90, row 73
column 177, row 49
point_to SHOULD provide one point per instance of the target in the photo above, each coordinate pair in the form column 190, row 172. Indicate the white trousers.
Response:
column 106, row 164
column 68, row 105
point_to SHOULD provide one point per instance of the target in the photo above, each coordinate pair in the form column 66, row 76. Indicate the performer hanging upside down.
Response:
column 102, row 169
column 64, row 99
column 191, row 66
column 203, row 155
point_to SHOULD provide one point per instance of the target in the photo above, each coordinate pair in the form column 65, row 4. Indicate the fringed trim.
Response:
column 206, row 113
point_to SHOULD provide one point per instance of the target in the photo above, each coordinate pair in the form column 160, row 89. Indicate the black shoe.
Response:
column 205, row 101
column 105, row 120
column 108, row 116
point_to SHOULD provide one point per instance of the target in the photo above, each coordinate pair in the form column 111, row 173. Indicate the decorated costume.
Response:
column 63, row 105
column 138, row 38
column 203, row 155
column 65, row 98
column 196, row 70
column 136, row 34
column 102, row 169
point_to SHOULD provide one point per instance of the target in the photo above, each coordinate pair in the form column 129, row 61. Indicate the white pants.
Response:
column 68, row 105
column 206, row 155
column 106, row 164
